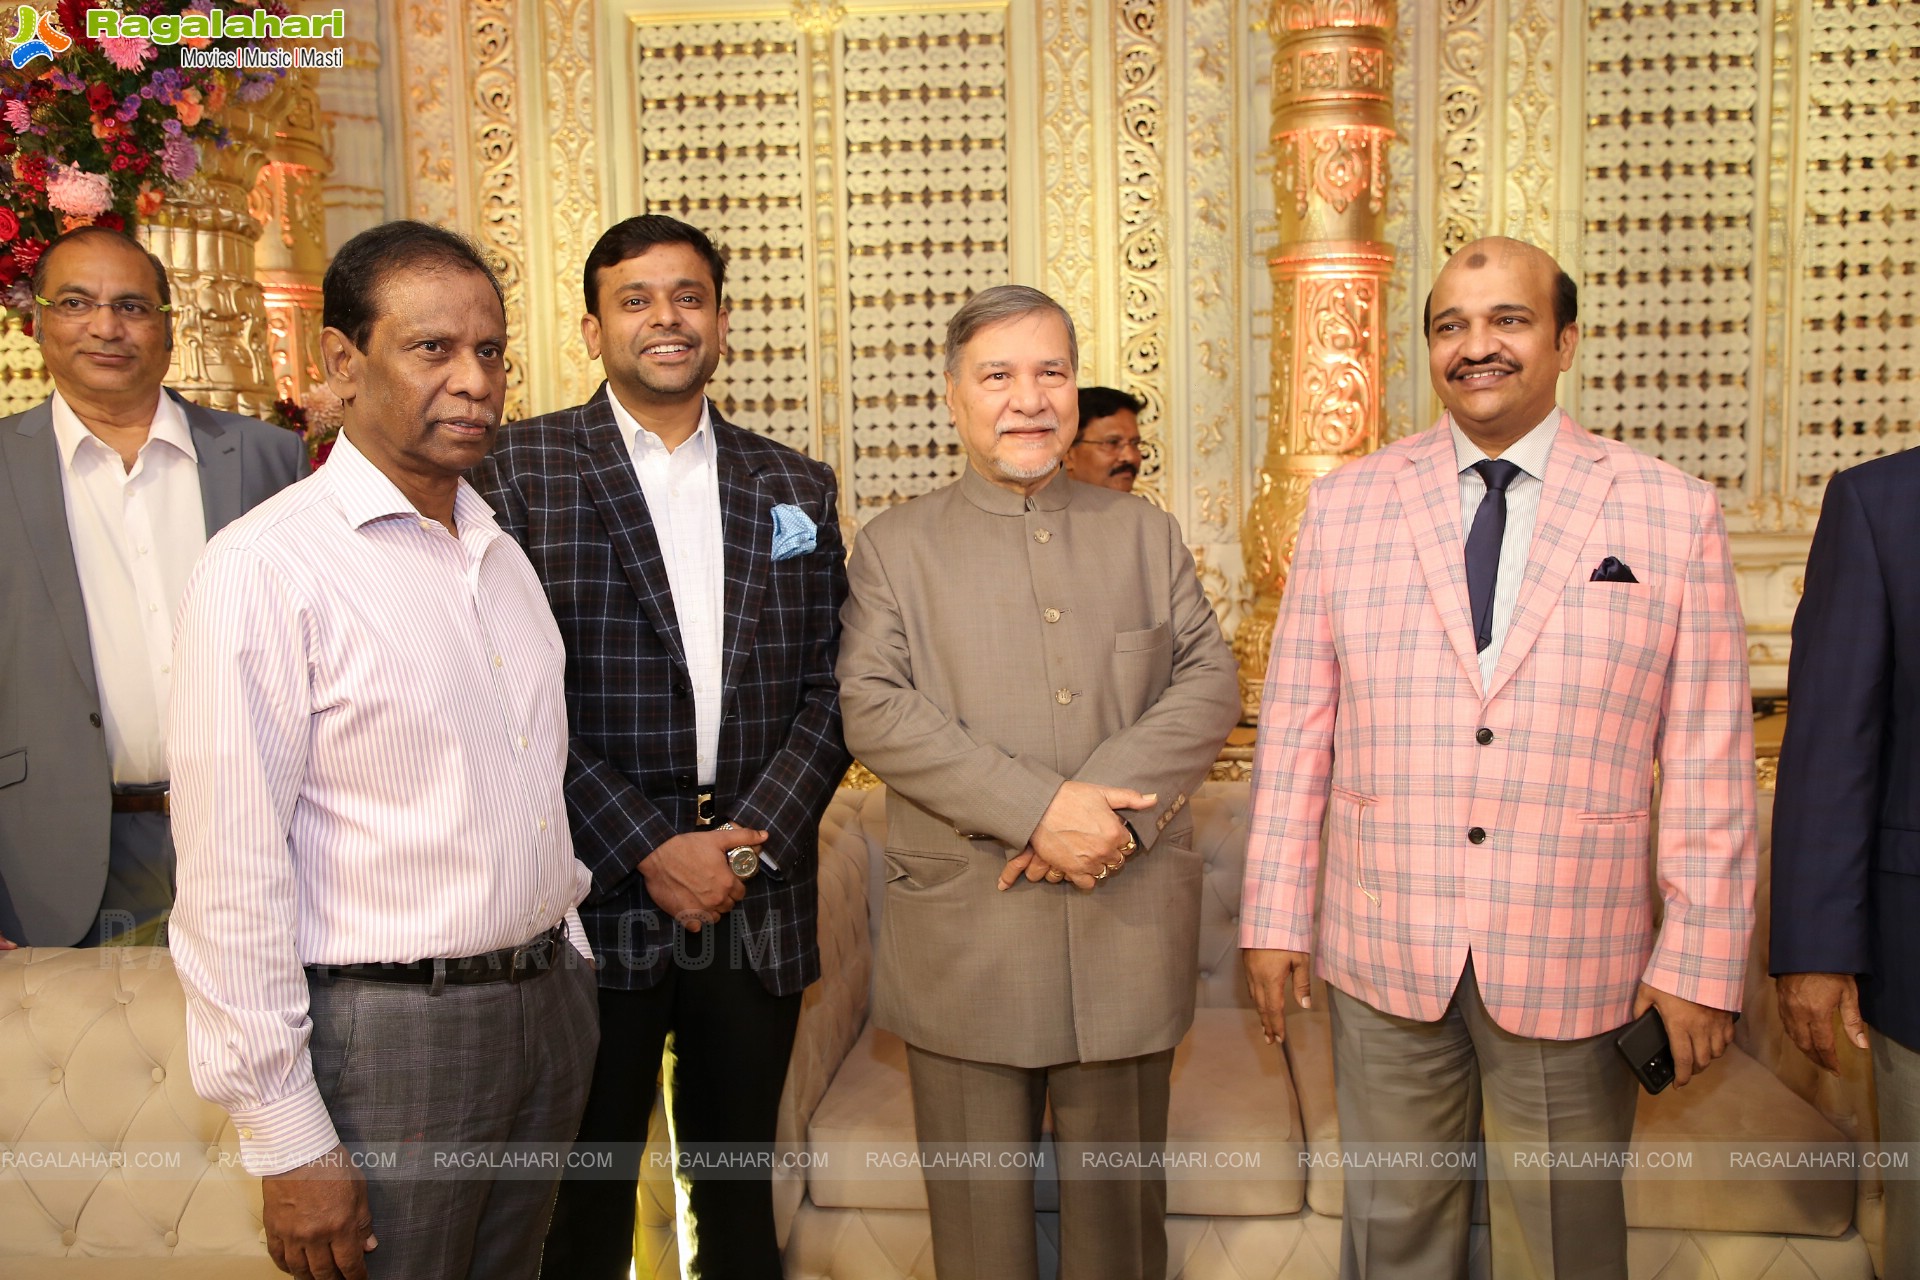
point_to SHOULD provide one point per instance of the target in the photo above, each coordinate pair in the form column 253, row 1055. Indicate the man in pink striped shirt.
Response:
column 377, row 882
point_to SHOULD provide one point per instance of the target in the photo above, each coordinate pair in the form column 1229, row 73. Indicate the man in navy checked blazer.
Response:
column 696, row 571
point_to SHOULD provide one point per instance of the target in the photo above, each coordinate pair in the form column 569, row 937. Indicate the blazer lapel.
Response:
column 1578, row 479
column 606, row 467
column 1429, row 492
column 34, row 464
column 747, row 534
column 218, row 450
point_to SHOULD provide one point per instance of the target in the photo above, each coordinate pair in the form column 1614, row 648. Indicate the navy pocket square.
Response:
column 1611, row 570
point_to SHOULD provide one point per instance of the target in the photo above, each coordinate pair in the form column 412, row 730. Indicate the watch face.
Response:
column 744, row 861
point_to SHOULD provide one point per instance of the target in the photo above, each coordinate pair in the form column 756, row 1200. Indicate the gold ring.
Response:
column 1129, row 846
column 1114, row 866
column 1104, row 873
column 1055, row 876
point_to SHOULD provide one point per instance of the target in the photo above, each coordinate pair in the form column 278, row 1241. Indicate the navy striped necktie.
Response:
column 1483, row 545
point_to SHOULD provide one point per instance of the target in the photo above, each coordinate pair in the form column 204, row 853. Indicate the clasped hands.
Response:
column 1080, row 839
column 688, row 876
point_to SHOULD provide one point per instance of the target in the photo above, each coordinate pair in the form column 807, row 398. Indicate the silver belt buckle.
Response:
column 543, row 947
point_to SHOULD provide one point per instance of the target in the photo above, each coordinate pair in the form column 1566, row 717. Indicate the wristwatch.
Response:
column 744, row 860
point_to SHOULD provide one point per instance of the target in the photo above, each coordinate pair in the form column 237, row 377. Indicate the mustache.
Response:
column 1125, row 469
column 1487, row 362
column 1031, row 424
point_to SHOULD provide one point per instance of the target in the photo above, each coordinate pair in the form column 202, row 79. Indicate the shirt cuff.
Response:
column 285, row 1134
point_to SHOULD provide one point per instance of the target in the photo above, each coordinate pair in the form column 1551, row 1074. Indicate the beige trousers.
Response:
column 1112, row 1221
column 1431, row 1086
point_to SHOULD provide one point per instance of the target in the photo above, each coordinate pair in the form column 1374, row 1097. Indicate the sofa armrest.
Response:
column 834, row 1010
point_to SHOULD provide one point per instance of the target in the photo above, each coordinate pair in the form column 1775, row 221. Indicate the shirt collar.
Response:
column 1529, row 452
column 168, row 426
column 366, row 494
column 641, row 440
column 1001, row 501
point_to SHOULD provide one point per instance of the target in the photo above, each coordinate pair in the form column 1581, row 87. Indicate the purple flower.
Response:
column 171, row 127
column 254, row 88
column 179, row 158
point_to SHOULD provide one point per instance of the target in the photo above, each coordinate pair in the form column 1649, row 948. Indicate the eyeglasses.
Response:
column 77, row 310
column 1114, row 444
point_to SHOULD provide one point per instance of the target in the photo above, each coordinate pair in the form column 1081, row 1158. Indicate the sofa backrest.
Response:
column 95, row 1090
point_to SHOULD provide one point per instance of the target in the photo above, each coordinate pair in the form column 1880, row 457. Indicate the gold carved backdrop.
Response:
column 1732, row 181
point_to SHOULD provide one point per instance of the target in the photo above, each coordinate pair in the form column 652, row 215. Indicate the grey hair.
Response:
column 1003, row 302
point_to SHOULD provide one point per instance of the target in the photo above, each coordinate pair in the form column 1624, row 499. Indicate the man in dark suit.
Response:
column 696, row 573
column 1846, row 815
column 112, row 486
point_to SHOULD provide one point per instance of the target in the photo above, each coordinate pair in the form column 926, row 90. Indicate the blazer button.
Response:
column 1477, row 835
column 1483, row 737
column 93, row 718
column 1043, row 535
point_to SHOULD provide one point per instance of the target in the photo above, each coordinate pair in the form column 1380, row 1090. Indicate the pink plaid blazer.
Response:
column 1374, row 720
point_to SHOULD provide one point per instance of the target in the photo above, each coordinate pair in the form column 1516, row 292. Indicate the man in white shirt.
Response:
column 108, row 491
column 377, row 883
column 696, row 572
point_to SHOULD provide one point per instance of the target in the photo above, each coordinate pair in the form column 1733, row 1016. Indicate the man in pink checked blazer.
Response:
column 1493, row 632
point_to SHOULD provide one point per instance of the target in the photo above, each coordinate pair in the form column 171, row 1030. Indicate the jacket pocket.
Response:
column 1147, row 638
column 924, row 870
column 13, row 767
column 1612, row 819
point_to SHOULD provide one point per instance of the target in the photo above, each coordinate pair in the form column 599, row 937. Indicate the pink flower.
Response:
column 128, row 53
column 72, row 190
column 179, row 158
column 19, row 116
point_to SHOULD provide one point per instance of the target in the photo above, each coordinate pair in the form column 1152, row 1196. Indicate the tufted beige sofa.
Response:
column 92, row 1063
column 848, row 1092
column 110, row 1164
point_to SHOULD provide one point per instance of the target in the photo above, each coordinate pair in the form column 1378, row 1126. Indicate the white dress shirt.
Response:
column 682, row 488
column 135, row 537
column 1529, row 453
column 368, row 748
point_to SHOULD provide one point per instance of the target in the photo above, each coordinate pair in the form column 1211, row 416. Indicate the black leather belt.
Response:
column 150, row 798
column 509, row 964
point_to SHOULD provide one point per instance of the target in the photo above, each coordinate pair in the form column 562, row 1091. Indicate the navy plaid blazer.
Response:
column 563, row 485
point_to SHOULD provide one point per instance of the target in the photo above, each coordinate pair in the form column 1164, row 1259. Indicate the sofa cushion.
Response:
column 1233, row 1127
column 1737, row 1101
column 93, row 1064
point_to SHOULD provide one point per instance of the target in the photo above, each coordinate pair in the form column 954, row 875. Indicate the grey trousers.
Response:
column 469, row 1069
column 1403, row 1084
column 1896, row 1083
column 139, row 895
column 1113, row 1226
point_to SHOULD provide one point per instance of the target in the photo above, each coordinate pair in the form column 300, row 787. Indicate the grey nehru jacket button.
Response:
column 1043, row 535
column 1051, row 615
column 1063, row 696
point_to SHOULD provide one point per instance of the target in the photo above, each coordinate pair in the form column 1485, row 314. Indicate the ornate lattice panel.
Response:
column 924, row 112
column 1860, row 238
column 721, row 121
column 1666, row 272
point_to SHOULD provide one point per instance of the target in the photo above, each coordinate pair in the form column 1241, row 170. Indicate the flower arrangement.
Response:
column 318, row 421
column 104, row 130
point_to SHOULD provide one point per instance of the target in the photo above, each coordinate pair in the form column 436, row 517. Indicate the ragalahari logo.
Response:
column 36, row 35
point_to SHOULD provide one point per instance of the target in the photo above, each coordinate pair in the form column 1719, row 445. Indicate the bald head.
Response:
column 1516, row 255
column 1500, row 332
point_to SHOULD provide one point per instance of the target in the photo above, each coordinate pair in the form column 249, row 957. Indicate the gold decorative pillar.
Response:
column 817, row 20
column 1332, row 121
column 23, row 379
column 290, row 259
column 206, row 233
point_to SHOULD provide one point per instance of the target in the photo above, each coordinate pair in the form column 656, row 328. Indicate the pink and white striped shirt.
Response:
column 367, row 741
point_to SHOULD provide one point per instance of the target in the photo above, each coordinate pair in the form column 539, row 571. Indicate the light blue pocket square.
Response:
column 793, row 532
